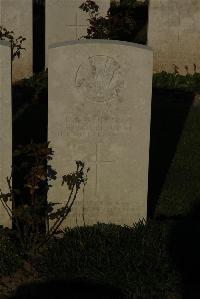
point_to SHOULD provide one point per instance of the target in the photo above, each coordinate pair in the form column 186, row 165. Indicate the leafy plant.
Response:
column 29, row 208
column 124, row 21
column 37, row 84
column 29, row 92
column 16, row 43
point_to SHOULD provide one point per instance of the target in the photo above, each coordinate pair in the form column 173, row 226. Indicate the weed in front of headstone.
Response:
column 30, row 212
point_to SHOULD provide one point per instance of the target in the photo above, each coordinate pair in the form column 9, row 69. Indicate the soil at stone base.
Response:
column 9, row 284
column 27, row 274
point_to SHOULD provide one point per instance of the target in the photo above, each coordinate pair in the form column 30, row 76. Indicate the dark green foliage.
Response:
column 37, row 85
column 125, row 21
column 30, row 210
column 135, row 259
column 29, row 199
column 189, row 82
column 9, row 259
column 31, row 93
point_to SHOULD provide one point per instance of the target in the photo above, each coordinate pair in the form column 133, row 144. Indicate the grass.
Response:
column 170, row 112
column 131, row 259
column 156, row 259
column 164, row 253
column 180, row 194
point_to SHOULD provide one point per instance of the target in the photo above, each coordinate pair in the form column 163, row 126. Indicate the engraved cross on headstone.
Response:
column 76, row 25
column 97, row 163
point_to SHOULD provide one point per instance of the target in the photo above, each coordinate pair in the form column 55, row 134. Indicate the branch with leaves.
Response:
column 33, row 159
column 15, row 43
column 125, row 21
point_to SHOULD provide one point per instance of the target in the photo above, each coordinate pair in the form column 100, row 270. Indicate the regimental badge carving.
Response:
column 99, row 79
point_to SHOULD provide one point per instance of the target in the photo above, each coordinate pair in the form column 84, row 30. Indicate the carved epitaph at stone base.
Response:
column 174, row 35
column 5, row 126
column 99, row 112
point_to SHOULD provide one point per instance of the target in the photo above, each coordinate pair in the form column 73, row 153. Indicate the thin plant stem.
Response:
column 69, row 198
column 58, row 222
column 7, row 208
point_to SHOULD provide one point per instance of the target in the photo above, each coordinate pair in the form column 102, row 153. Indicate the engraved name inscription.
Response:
column 98, row 126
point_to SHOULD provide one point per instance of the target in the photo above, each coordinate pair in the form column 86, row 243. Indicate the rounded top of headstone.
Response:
column 4, row 43
column 101, row 41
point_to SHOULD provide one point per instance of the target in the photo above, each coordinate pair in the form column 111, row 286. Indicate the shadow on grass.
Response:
column 72, row 289
column 184, row 250
column 169, row 111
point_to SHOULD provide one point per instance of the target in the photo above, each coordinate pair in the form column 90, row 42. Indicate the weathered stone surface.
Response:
column 65, row 21
column 5, row 126
column 99, row 112
column 174, row 34
column 17, row 16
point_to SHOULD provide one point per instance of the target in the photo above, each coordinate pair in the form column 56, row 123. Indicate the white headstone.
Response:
column 65, row 21
column 5, row 126
column 17, row 16
column 174, row 34
column 99, row 112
